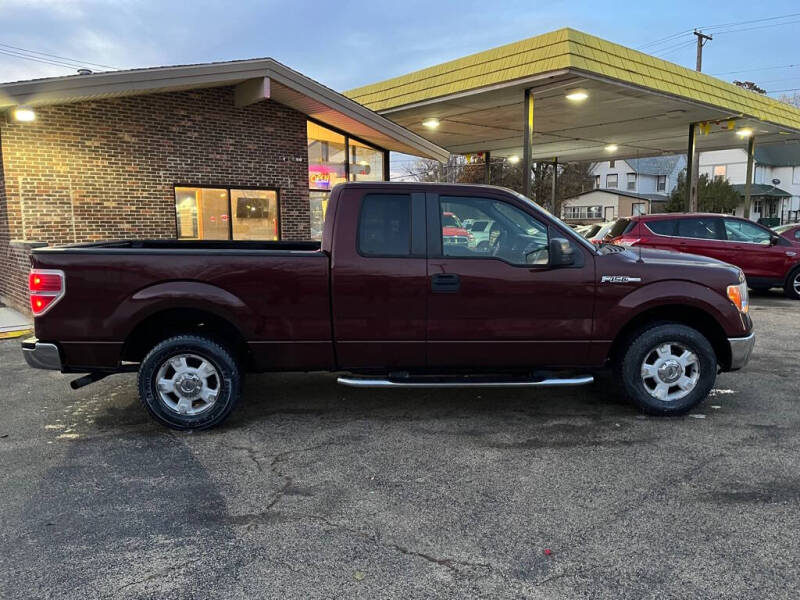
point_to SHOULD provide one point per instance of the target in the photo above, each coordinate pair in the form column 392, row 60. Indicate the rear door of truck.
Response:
column 379, row 278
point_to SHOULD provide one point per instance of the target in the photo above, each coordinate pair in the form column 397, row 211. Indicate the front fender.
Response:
column 670, row 293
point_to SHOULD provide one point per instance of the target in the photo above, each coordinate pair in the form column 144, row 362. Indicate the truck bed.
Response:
column 275, row 294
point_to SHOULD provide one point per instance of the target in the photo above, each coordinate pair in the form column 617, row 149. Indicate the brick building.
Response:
column 236, row 150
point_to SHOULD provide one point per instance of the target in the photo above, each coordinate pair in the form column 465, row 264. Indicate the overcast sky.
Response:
column 344, row 44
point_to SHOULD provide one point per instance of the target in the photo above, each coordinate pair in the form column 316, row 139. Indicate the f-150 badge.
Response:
column 619, row 279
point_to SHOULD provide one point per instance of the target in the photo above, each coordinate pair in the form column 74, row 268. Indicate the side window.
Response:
column 510, row 234
column 384, row 227
column 743, row 231
column 662, row 226
column 701, row 228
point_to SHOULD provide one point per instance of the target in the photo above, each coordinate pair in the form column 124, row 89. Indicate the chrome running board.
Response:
column 364, row 382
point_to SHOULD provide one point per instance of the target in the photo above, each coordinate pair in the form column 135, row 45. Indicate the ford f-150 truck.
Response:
column 384, row 301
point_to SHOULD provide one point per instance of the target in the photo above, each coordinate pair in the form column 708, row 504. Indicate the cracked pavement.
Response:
column 312, row 490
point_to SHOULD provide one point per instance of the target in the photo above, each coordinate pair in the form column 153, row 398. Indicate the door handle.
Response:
column 445, row 282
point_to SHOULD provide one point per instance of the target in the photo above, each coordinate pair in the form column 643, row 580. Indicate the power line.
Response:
column 751, row 21
column 63, row 58
column 757, row 27
column 39, row 60
column 714, row 27
column 753, row 70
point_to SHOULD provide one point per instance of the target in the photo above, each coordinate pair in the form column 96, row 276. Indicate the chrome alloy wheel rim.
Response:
column 670, row 371
column 796, row 284
column 188, row 384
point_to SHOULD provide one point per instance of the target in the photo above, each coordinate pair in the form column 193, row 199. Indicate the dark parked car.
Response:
column 384, row 298
column 767, row 259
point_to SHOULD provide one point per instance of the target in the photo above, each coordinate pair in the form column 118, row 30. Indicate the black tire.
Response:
column 228, row 380
column 792, row 286
column 643, row 344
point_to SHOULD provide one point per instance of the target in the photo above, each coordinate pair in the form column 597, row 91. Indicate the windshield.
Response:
column 618, row 228
column 450, row 220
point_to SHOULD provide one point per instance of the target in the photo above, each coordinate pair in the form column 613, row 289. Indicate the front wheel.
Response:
column 189, row 382
column 792, row 286
column 668, row 369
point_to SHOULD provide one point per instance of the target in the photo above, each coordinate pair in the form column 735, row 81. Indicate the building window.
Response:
column 366, row 163
column 632, row 181
column 661, row 183
column 596, row 181
column 583, row 212
column 611, row 181
column 720, row 171
column 638, row 208
column 796, row 176
column 611, row 164
column 226, row 213
column 334, row 157
column 757, row 207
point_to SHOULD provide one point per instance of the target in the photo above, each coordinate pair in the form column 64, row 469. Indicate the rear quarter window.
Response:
column 384, row 226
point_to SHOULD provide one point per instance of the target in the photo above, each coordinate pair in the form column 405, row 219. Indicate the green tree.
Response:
column 713, row 195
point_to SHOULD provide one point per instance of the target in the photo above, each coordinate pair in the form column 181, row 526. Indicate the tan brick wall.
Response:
column 106, row 169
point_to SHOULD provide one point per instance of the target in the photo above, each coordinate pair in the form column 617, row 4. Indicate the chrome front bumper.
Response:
column 741, row 348
column 41, row 355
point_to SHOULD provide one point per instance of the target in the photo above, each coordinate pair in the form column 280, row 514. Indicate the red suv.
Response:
column 767, row 259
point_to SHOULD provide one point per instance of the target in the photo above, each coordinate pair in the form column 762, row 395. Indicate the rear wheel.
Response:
column 668, row 369
column 792, row 286
column 189, row 382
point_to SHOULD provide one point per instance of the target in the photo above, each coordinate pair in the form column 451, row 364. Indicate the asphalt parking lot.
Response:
column 312, row 490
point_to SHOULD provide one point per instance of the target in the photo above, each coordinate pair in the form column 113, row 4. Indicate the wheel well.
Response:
column 690, row 316
column 168, row 323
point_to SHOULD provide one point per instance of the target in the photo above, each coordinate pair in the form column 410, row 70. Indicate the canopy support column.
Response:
column 555, row 186
column 487, row 167
column 751, row 147
column 526, row 143
column 692, row 170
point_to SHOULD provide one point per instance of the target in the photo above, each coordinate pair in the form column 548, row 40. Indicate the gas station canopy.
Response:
column 592, row 99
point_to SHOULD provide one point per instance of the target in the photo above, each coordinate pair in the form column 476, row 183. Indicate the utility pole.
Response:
column 702, row 38
column 693, row 159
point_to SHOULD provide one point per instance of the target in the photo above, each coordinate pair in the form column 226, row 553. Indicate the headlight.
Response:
column 738, row 295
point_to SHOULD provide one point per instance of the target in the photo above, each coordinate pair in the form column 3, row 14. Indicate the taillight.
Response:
column 47, row 288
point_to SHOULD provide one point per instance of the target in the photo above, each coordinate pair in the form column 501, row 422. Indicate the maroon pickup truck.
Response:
column 387, row 300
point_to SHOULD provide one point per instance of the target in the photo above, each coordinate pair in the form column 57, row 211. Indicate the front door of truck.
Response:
column 503, row 305
column 378, row 279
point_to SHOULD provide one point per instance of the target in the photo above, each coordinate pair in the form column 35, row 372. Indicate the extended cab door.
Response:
column 378, row 279
column 501, row 304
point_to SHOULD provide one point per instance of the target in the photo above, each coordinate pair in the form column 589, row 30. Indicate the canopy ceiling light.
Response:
column 744, row 132
column 513, row 159
column 431, row 123
column 577, row 96
column 611, row 148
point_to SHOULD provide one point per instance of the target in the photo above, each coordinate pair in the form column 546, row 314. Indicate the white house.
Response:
column 655, row 175
column 775, row 193
column 597, row 206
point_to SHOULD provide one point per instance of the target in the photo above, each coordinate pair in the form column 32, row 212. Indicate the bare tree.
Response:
column 793, row 99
